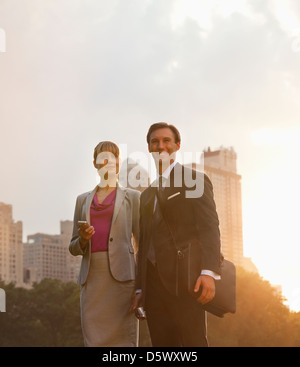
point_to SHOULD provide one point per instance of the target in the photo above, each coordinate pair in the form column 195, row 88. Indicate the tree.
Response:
column 47, row 315
column 17, row 326
column 261, row 320
column 55, row 305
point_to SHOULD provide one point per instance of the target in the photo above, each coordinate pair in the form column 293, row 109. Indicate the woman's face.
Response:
column 107, row 165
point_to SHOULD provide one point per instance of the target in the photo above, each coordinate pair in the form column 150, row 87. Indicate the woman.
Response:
column 107, row 243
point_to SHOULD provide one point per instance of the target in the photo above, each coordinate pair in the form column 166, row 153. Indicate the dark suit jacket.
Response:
column 190, row 219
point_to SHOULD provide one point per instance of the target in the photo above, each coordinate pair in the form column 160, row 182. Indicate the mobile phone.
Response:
column 82, row 223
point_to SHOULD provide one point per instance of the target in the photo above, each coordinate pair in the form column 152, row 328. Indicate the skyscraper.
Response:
column 73, row 262
column 48, row 256
column 11, row 247
column 220, row 166
column 44, row 253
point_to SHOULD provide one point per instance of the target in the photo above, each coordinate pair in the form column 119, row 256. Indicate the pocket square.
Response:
column 174, row 195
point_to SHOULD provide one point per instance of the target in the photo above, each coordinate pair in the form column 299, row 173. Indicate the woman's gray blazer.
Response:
column 123, row 237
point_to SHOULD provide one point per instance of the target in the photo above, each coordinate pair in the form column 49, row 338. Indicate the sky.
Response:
column 226, row 73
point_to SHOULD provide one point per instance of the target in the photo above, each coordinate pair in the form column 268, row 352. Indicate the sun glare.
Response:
column 275, row 191
column 202, row 11
column 287, row 17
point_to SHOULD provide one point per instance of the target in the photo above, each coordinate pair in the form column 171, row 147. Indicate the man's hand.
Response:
column 207, row 285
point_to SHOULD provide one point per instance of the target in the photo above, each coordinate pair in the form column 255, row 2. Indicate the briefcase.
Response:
column 187, row 274
column 225, row 296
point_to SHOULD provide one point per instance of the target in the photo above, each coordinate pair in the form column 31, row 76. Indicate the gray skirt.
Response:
column 105, row 317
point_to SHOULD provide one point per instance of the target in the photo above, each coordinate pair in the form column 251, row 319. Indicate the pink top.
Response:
column 101, row 216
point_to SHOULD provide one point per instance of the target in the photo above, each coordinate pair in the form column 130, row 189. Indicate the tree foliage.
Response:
column 48, row 315
column 261, row 320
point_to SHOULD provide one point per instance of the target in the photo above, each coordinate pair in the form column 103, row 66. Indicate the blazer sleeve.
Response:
column 208, row 228
column 74, row 247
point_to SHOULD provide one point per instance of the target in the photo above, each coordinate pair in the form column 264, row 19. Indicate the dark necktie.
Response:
column 160, row 190
column 157, row 217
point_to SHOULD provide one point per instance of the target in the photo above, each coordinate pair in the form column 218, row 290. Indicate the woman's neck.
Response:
column 106, row 185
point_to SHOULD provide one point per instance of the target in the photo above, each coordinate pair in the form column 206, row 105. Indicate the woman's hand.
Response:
column 85, row 232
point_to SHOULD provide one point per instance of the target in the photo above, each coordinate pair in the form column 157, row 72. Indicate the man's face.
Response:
column 162, row 141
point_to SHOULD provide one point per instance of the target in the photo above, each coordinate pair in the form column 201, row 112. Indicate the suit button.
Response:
column 111, row 239
column 180, row 255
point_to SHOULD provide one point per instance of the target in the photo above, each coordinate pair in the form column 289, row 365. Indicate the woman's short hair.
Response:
column 106, row 146
column 163, row 125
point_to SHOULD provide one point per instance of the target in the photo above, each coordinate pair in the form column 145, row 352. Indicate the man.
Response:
column 176, row 227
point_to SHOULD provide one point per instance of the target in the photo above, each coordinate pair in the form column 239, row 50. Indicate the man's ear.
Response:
column 178, row 145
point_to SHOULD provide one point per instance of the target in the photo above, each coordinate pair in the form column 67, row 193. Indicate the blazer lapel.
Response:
column 89, row 200
column 149, row 201
column 120, row 196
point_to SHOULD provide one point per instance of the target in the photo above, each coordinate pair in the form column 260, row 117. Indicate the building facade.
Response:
column 11, row 247
column 48, row 256
column 220, row 166
column 72, row 262
column 44, row 257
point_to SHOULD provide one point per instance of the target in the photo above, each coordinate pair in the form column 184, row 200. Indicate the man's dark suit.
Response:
column 176, row 320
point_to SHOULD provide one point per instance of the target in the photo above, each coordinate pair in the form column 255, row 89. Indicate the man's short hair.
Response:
column 163, row 125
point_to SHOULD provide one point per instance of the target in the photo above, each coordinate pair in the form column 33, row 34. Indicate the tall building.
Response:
column 220, row 166
column 11, row 247
column 44, row 255
column 48, row 256
column 73, row 262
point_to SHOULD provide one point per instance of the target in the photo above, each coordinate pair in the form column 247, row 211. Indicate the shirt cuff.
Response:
column 211, row 274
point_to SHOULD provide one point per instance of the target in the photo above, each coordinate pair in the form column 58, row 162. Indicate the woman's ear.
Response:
column 118, row 164
column 95, row 165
